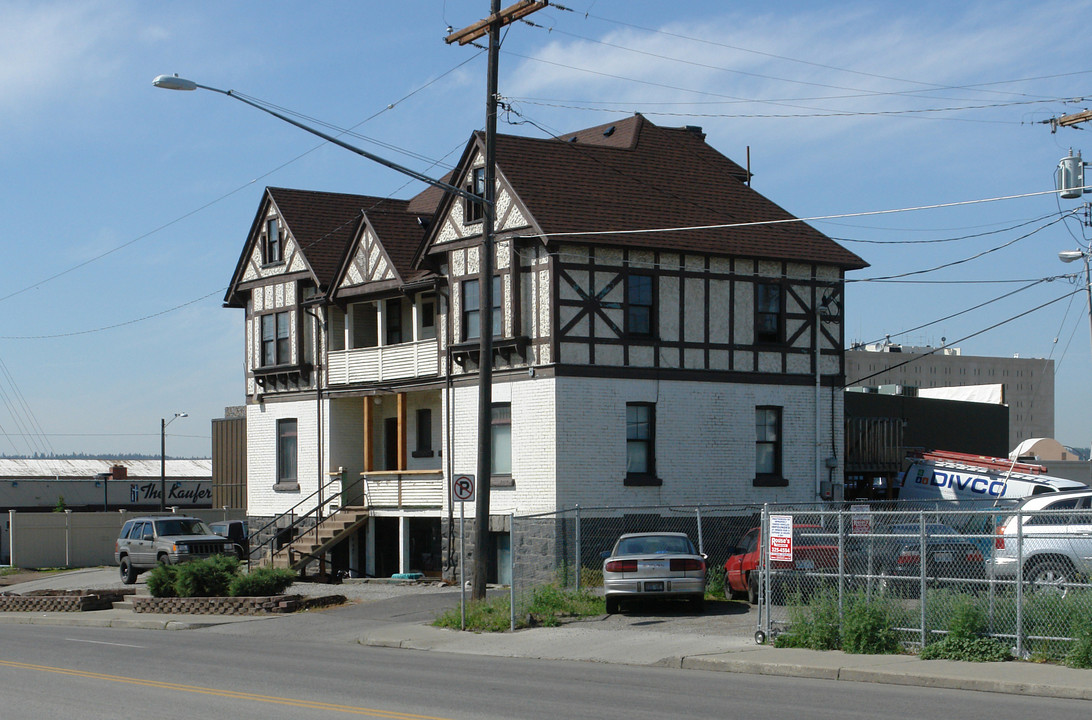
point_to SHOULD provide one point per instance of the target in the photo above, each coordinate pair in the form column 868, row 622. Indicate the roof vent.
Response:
column 696, row 129
column 609, row 131
column 572, row 139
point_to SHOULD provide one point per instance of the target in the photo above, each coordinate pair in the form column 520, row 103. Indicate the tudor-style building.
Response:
column 662, row 334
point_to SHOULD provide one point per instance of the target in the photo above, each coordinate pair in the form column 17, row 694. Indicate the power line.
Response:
column 228, row 194
column 944, row 240
column 963, row 260
column 931, row 86
column 960, row 340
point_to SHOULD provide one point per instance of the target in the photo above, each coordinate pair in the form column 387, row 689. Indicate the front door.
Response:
column 390, row 444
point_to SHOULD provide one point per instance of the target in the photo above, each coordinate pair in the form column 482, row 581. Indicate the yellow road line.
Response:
column 233, row 694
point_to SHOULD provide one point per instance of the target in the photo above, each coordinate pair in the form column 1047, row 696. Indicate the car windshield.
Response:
column 654, row 545
column 182, row 526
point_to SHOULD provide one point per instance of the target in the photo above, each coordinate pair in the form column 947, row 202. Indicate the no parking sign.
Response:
column 462, row 488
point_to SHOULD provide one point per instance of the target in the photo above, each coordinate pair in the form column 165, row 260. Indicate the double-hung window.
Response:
column 640, row 441
column 424, row 433
column 768, row 313
column 275, row 340
column 640, row 305
column 272, row 249
column 472, row 304
column 501, row 427
column 394, row 321
column 474, row 210
column 287, row 433
column 768, row 445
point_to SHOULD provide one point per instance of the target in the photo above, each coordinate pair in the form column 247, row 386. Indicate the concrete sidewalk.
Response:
column 742, row 655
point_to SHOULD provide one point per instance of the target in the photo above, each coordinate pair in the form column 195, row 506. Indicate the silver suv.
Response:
column 1057, row 541
column 145, row 542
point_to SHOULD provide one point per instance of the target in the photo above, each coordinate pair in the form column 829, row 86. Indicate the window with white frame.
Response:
column 501, row 426
column 287, row 433
column 276, row 348
column 768, row 443
column 272, row 243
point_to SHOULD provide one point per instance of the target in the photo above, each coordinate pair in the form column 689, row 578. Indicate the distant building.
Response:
column 1026, row 384
column 42, row 485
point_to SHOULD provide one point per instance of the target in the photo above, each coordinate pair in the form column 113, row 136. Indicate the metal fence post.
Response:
column 841, row 560
column 921, row 572
column 578, row 547
column 512, row 569
column 764, row 571
column 1020, row 586
column 701, row 542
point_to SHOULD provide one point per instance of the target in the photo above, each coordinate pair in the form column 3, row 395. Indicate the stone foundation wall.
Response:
column 76, row 601
column 232, row 605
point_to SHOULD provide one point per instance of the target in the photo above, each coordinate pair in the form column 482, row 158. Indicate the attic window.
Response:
column 474, row 210
column 272, row 247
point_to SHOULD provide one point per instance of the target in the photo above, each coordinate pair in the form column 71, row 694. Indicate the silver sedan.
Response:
column 653, row 565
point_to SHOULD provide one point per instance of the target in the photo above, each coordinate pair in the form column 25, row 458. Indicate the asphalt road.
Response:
column 310, row 666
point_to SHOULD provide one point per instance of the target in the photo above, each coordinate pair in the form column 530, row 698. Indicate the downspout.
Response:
column 320, row 339
column 818, row 398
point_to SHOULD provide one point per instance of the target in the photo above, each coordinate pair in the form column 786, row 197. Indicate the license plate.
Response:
column 805, row 564
column 942, row 557
column 652, row 565
column 654, row 587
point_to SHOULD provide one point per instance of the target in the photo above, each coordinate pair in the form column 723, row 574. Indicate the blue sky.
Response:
column 125, row 207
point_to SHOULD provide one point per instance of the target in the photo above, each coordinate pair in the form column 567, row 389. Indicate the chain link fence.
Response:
column 925, row 563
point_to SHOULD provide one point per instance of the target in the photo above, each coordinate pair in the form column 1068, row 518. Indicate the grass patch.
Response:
column 549, row 604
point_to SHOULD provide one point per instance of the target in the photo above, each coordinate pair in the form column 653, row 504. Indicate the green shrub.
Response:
column 1080, row 652
column 160, row 581
column 207, row 577
column 261, row 582
column 714, row 581
column 868, row 627
column 548, row 604
column 966, row 627
column 816, row 625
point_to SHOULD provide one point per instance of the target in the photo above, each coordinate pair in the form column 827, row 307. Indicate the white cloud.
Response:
column 50, row 49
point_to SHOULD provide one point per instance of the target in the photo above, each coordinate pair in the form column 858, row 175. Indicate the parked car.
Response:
column 1057, row 541
column 653, row 565
column 236, row 531
column 145, row 542
column 950, row 558
column 814, row 551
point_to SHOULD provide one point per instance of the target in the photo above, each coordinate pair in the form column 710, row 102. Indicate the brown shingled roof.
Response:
column 644, row 176
column 324, row 224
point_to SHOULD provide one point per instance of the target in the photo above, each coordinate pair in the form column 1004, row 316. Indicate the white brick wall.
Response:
column 261, row 456
column 569, row 442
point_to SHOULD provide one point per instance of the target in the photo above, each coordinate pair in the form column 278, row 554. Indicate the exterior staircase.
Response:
column 311, row 544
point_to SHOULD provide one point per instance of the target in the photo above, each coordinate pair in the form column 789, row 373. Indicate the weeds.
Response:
column 549, row 604
column 966, row 639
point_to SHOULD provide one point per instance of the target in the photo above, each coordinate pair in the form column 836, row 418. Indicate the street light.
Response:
column 485, row 282
column 163, row 423
column 1069, row 256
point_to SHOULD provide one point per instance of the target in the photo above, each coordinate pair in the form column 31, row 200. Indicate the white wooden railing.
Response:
column 381, row 364
column 404, row 488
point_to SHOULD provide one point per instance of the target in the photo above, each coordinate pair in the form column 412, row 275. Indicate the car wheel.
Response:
column 1050, row 576
column 128, row 572
column 612, row 605
column 163, row 559
column 752, row 588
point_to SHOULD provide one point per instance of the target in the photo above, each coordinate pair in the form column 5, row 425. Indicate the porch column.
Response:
column 403, row 428
column 403, row 545
column 368, row 444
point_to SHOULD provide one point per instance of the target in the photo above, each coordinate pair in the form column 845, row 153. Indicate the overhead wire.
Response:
column 996, row 325
column 225, row 196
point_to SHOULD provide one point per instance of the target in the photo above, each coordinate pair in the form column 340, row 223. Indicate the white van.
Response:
column 964, row 478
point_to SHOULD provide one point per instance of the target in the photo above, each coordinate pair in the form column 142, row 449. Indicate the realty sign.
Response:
column 781, row 538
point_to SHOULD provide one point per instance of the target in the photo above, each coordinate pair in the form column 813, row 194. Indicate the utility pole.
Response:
column 1069, row 120
column 491, row 25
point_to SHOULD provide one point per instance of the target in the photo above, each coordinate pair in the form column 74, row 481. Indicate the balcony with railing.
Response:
column 383, row 363
column 404, row 488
